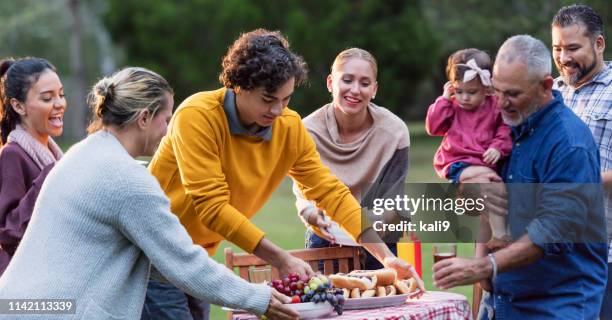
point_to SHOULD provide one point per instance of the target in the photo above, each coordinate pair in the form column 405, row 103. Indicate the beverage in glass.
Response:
column 443, row 251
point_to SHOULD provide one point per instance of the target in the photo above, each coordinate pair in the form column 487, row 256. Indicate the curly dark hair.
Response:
column 261, row 58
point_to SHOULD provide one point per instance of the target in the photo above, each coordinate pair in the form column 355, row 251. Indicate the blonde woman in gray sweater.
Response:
column 101, row 219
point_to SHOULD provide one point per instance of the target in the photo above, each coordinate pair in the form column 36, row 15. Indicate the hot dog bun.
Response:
column 353, row 281
column 346, row 293
column 355, row 293
column 414, row 286
column 381, row 292
column 390, row 290
column 406, row 286
column 384, row 277
column 368, row 293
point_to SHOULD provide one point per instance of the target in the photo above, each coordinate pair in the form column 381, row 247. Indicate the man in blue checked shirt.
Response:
column 556, row 267
column 586, row 85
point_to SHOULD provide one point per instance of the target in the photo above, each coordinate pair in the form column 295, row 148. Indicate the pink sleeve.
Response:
column 439, row 117
column 503, row 138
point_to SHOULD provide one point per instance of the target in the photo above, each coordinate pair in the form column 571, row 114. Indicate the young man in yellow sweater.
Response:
column 227, row 150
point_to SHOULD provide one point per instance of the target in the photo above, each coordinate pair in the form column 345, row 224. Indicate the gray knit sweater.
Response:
column 99, row 221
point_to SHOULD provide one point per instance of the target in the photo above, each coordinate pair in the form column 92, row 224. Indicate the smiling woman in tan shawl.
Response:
column 366, row 146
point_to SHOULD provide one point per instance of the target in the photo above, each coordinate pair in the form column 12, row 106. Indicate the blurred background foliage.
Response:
column 185, row 40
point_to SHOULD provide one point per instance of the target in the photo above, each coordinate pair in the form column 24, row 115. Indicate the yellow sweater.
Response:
column 216, row 181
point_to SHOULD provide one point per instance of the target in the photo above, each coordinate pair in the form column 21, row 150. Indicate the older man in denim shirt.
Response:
column 556, row 268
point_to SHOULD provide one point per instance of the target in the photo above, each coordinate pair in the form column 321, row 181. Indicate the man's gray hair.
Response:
column 529, row 51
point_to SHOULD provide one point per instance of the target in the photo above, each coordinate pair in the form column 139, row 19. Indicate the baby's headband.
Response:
column 475, row 70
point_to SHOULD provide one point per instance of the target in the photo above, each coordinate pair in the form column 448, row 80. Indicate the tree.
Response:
column 185, row 41
column 45, row 29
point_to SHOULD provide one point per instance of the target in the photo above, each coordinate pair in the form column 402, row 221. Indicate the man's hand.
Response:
column 490, row 188
column 293, row 264
column 277, row 308
column 491, row 156
column 479, row 174
column 404, row 271
column 496, row 198
column 453, row 272
column 281, row 259
column 449, row 90
column 317, row 219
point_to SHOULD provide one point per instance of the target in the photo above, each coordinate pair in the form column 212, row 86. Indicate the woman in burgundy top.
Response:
column 32, row 105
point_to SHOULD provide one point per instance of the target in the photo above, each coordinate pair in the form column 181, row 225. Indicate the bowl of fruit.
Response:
column 312, row 297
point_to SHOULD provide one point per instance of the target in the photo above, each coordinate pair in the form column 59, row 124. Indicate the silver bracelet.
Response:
column 494, row 264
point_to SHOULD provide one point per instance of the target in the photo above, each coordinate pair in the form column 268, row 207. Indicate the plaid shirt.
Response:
column 592, row 102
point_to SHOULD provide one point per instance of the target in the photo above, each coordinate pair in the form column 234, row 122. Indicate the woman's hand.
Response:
column 277, row 308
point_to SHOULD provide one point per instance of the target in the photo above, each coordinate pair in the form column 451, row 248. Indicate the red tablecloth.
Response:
column 433, row 305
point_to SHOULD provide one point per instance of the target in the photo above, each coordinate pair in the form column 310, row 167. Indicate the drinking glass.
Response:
column 443, row 251
column 260, row 274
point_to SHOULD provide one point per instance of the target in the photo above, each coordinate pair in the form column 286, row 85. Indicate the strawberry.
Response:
column 296, row 299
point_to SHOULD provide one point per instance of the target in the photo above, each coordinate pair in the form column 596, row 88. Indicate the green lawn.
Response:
column 279, row 220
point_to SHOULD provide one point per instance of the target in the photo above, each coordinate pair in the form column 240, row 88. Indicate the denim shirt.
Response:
column 555, row 197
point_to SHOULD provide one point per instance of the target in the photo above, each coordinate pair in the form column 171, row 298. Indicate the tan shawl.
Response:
column 371, row 158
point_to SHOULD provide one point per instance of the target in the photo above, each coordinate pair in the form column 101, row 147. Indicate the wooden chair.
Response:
column 346, row 258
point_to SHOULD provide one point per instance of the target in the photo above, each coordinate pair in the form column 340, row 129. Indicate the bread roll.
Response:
column 346, row 293
column 381, row 291
column 414, row 286
column 353, row 281
column 384, row 277
column 355, row 293
column 390, row 291
column 402, row 287
column 406, row 286
column 368, row 293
